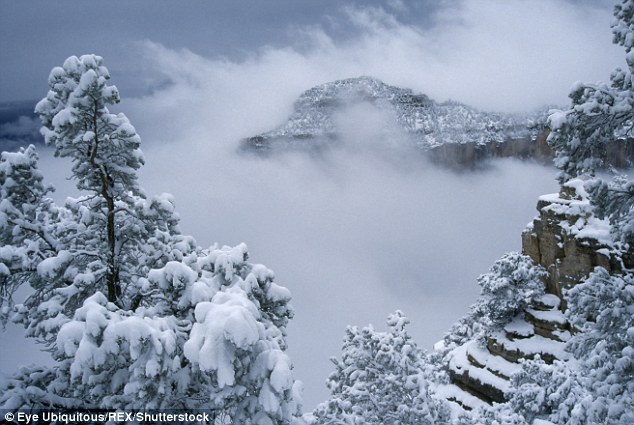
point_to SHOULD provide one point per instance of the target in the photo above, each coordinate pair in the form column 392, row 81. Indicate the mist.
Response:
column 355, row 233
column 370, row 226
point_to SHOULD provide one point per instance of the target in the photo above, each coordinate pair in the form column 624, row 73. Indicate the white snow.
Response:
column 50, row 266
column 554, row 198
column 227, row 323
column 460, row 364
column 519, row 326
column 554, row 316
column 536, row 344
column 490, row 361
column 450, row 391
column 586, row 225
column 550, row 300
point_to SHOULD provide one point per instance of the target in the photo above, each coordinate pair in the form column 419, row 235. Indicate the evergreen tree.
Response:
column 380, row 379
column 25, row 213
column 511, row 285
column 103, row 241
column 615, row 200
column 602, row 309
column 596, row 386
column 548, row 391
column 600, row 113
column 104, row 150
column 134, row 313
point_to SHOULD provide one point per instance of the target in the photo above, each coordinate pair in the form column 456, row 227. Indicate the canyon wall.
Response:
column 569, row 242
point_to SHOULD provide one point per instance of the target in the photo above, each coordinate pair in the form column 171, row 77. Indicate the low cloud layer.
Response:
column 355, row 234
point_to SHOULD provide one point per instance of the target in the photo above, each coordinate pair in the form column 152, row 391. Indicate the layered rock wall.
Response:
column 568, row 241
column 619, row 154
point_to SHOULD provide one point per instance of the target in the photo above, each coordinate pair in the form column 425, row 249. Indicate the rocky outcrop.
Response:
column 425, row 123
column 484, row 370
column 449, row 133
column 471, row 155
column 569, row 242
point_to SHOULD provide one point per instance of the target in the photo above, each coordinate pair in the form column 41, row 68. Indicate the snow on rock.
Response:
column 583, row 224
column 460, row 364
column 554, row 198
column 554, row 316
column 549, row 300
column 534, row 345
column 464, row 399
column 490, row 361
column 520, row 327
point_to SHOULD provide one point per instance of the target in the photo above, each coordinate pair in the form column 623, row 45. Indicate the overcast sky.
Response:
column 523, row 53
column 37, row 34
column 353, row 237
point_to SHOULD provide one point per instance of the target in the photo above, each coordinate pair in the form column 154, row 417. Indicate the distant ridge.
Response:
column 429, row 124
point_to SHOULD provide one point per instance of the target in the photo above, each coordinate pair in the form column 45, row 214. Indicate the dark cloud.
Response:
column 37, row 34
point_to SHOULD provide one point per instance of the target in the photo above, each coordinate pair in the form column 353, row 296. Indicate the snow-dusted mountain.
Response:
column 427, row 123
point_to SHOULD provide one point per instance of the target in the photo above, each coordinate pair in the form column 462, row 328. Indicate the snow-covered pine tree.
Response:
column 24, row 222
column 511, row 285
column 103, row 241
column 135, row 314
column 600, row 113
column 380, row 379
column 615, row 200
column 548, row 392
column 597, row 385
column 602, row 309
column 104, row 150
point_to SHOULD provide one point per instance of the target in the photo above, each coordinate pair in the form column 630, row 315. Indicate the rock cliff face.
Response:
column 481, row 375
column 569, row 242
column 470, row 155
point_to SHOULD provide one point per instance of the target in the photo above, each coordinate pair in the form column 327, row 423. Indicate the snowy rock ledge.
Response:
column 568, row 240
